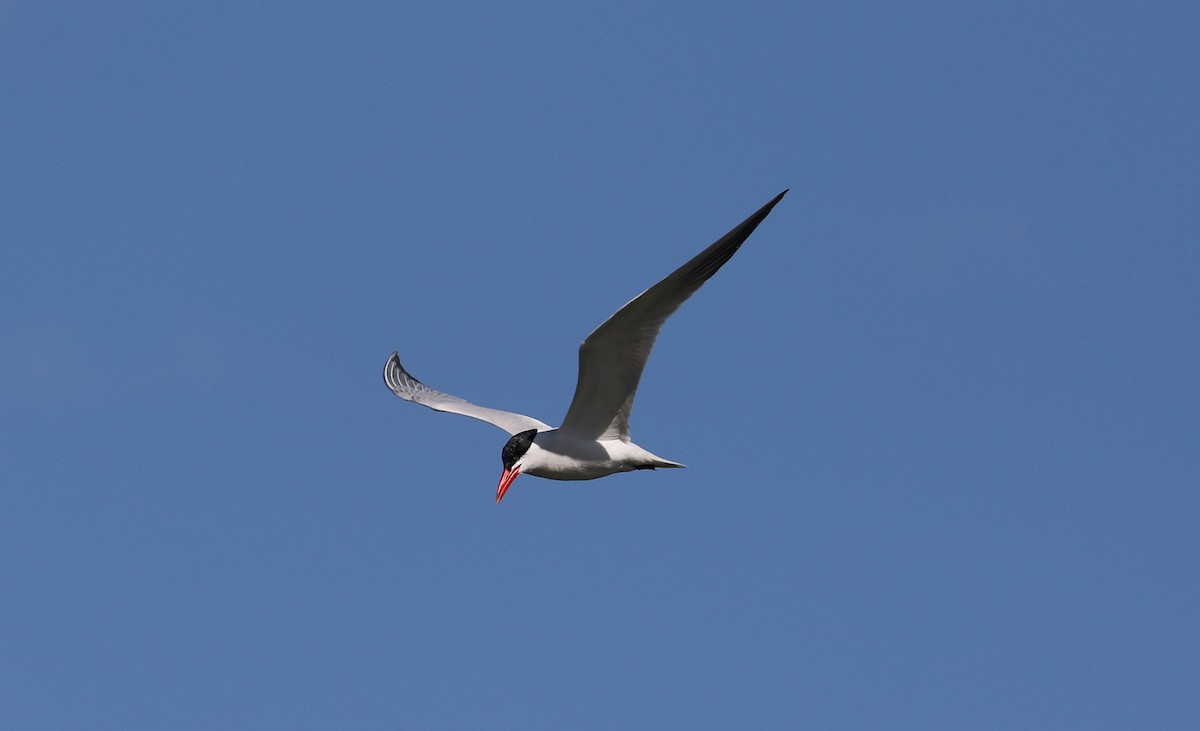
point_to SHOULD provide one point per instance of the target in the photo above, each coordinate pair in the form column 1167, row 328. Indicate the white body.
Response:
column 560, row 457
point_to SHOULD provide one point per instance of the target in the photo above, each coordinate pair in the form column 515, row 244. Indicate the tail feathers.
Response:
column 657, row 462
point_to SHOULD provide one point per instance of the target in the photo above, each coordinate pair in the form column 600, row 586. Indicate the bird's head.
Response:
column 513, row 457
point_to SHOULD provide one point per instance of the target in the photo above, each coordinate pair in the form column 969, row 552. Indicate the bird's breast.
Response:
column 558, row 458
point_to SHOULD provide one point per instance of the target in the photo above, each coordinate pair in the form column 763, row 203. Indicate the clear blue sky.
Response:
column 941, row 413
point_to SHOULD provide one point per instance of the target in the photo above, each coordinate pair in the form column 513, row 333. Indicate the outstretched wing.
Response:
column 408, row 388
column 612, row 358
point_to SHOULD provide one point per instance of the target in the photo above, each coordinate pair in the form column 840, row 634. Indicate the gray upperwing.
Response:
column 612, row 358
column 403, row 384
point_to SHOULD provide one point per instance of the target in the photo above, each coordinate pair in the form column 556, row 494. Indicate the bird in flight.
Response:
column 593, row 440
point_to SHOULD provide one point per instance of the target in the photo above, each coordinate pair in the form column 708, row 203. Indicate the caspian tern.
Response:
column 593, row 440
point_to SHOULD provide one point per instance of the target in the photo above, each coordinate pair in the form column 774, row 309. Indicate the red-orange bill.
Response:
column 506, row 479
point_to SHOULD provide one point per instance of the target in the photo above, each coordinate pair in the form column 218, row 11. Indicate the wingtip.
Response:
column 392, row 364
column 757, row 217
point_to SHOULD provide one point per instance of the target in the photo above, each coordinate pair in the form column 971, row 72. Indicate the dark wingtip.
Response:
column 394, row 358
column 756, row 218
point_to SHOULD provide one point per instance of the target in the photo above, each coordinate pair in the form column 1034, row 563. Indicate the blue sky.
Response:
column 941, row 413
